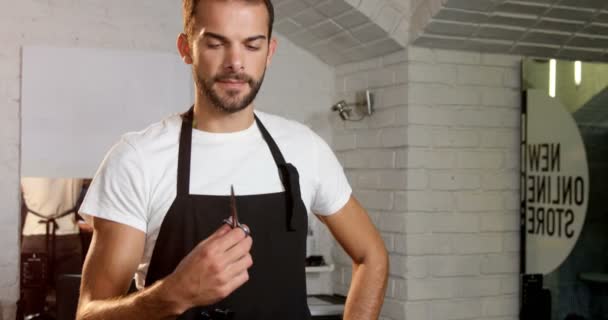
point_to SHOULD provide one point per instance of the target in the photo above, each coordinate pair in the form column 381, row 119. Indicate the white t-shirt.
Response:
column 50, row 197
column 136, row 183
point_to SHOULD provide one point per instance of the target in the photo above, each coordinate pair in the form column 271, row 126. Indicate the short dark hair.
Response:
column 189, row 11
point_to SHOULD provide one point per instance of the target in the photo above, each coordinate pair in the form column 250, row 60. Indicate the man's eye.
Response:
column 213, row 45
column 253, row 48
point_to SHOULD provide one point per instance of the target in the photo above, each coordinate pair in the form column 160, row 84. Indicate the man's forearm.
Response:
column 154, row 303
column 367, row 289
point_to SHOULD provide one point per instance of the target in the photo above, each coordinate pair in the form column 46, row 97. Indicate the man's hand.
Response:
column 214, row 268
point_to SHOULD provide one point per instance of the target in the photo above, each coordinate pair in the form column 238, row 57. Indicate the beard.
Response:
column 231, row 102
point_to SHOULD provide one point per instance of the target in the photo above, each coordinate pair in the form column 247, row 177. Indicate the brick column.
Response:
column 437, row 169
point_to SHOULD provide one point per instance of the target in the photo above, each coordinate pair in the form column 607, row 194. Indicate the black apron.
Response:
column 278, row 221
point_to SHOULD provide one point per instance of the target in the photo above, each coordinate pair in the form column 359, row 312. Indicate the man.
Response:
column 168, row 228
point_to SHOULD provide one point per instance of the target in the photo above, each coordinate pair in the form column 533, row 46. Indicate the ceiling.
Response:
column 546, row 28
column 342, row 31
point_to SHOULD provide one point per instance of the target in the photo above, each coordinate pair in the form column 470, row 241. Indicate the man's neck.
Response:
column 211, row 119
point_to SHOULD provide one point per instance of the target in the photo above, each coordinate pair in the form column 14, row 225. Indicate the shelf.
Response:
column 595, row 278
column 327, row 268
column 326, row 306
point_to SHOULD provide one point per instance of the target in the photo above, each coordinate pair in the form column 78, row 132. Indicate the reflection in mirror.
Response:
column 55, row 240
column 577, row 288
column 575, row 83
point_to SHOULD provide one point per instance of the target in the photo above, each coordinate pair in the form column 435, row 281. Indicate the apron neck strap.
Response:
column 274, row 149
column 185, row 148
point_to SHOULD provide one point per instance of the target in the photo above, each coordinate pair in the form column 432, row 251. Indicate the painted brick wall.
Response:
column 369, row 151
column 437, row 169
column 137, row 25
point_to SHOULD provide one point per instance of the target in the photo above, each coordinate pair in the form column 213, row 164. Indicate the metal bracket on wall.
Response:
column 363, row 105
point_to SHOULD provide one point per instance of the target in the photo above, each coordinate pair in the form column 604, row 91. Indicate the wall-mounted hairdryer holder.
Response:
column 363, row 106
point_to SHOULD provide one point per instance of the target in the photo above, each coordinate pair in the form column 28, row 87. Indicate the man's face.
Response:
column 230, row 58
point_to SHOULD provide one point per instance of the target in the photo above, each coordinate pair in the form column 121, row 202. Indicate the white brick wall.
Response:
column 437, row 168
column 137, row 25
column 369, row 151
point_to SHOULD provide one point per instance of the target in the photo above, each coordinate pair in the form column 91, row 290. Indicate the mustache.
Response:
column 233, row 76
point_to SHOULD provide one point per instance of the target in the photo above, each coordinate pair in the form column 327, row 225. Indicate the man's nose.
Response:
column 234, row 60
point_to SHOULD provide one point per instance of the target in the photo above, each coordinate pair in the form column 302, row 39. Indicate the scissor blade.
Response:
column 235, row 218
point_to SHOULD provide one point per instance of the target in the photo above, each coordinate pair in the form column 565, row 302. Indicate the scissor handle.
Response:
column 238, row 225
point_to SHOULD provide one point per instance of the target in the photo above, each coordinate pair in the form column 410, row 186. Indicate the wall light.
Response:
column 578, row 72
column 364, row 104
column 552, row 77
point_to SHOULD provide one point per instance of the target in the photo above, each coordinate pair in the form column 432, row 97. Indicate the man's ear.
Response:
column 272, row 47
column 183, row 46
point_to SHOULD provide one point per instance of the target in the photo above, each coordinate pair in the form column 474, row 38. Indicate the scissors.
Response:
column 233, row 220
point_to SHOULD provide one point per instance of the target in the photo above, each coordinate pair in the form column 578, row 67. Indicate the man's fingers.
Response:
column 245, row 229
column 237, row 281
column 239, row 250
column 241, row 265
column 229, row 239
column 221, row 231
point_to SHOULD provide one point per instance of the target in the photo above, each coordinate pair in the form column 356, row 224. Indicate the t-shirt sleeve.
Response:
column 117, row 192
column 332, row 188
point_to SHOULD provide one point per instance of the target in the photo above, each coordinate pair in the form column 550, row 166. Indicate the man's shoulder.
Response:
column 280, row 127
column 156, row 134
